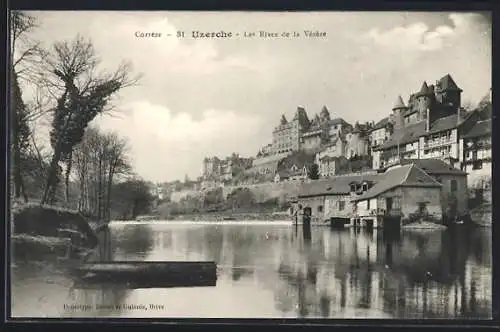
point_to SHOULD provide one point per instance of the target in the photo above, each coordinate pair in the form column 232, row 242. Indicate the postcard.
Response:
column 291, row 165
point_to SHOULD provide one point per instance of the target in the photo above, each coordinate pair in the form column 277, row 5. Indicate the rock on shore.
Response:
column 34, row 231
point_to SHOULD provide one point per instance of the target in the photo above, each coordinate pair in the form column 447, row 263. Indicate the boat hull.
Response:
column 148, row 272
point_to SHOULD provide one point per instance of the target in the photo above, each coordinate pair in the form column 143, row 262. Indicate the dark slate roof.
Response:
column 481, row 128
column 446, row 123
column 433, row 166
column 330, row 158
column 381, row 124
column 424, row 90
column 405, row 135
column 406, row 175
column 336, row 121
column 399, row 103
column 335, row 186
column 447, row 83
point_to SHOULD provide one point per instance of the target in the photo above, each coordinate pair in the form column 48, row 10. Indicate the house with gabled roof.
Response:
column 430, row 126
column 330, row 199
column 475, row 150
column 405, row 193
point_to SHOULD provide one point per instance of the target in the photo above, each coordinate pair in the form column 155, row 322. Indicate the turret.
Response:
column 398, row 109
column 424, row 100
column 324, row 114
column 283, row 120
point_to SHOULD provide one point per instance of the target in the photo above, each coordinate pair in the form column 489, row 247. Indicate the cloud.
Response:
column 419, row 36
column 167, row 145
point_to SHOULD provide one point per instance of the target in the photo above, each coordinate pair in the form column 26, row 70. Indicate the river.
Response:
column 274, row 270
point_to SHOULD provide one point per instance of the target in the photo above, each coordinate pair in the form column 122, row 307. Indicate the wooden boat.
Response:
column 124, row 271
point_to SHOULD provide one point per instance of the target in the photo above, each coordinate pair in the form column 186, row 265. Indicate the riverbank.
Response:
column 223, row 216
column 43, row 232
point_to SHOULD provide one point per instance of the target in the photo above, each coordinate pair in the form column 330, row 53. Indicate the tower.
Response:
column 324, row 114
column 448, row 93
column 398, row 109
column 424, row 100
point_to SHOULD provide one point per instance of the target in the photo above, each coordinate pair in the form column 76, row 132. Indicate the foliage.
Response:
column 314, row 172
column 83, row 94
column 131, row 198
column 240, row 198
column 213, row 198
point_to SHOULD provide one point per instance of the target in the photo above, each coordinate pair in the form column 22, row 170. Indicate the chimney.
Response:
column 427, row 119
column 459, row 116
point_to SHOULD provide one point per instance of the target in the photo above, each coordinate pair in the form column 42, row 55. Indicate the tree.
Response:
column 82, row 95
column 23, row 54
column 132, row 198
column 240, row 198
column 213, row 198
column 99, row 159
column 314, row 172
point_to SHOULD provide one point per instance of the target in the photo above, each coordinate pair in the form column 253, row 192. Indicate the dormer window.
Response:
column 365, row 187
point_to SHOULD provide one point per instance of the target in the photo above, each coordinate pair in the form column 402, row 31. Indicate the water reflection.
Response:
column 289, row 271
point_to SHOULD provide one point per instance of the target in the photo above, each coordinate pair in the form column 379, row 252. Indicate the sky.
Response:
column 199, row 98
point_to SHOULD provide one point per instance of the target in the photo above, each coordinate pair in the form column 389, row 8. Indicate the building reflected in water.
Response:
column 280, row 271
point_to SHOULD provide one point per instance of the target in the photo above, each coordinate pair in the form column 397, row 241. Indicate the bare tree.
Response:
column 83, row 94
column 99, row 159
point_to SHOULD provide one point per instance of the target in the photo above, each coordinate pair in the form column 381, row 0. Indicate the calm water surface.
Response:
column 275, row 270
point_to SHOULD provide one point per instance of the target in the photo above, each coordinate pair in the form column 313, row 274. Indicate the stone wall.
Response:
column 267, row 191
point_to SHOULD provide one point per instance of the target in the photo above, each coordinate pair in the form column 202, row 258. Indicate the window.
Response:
column 422, row 207
column 341, row 205
column 388, row 203
column 368, row 204
column 477, row 164
column 453, row 185
column 320, row 208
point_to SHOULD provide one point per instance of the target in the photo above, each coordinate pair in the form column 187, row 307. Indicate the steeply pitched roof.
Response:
column 381, row 124
column 336, row 121
column 336, row 186
column 481, row 128
column 404, row 135
column 424, row 90
column 447, row 83
column 399, row 103
column 331, row 158
column 406, row 175
column 446, row 123
column 433, row 166
column 324, row 114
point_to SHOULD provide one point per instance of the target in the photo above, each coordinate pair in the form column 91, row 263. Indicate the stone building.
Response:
column 454, row 188
column 406, row 193
column 475, row 151
column 224, row 169
column 381, row 131
column 358, row 141
column 329, row 166
column 330, row 199
column 429, row 127
column 287, row 135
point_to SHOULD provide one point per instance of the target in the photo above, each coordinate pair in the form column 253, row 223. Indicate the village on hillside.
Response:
column 429, row 147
